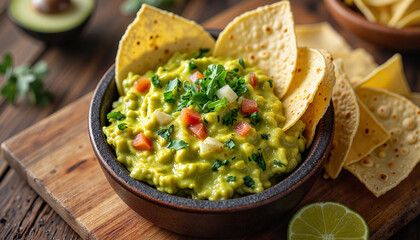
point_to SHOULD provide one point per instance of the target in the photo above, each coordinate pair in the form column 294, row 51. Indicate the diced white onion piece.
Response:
column 163, row 118
column 227, row 92
column 210, row 145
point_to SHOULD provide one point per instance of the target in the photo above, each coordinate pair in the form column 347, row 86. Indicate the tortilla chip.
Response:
column 321, row 101
column 415, row 98
column 370, row 135
column 346, row 121
column 321, row 36
column 357, row 64
column 370, row 13
column 398, row 10
column 392, row 162
column 380, row 3
column 152, row 38
column 412, row 19
column 310, row 71
column 266, row 38
column 389, row 76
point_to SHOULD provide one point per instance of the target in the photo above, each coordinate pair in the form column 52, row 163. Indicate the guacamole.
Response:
column 203, row 127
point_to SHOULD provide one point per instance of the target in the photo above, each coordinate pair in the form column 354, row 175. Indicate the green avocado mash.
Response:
column 215, row 161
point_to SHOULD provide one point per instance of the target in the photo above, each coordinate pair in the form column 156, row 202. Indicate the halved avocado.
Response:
column 56, row 27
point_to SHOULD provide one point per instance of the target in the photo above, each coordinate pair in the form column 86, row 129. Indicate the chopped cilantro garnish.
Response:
column 115, row 115
column 205, row 120
column 230, row 144
column 178, row 144
column 218, row 118
column 270, row 82
column 249, row 159
column 202, row 52
column 216, row 105
column 255, row 118
column 278, row 163
column 172, row 85
column 122, row 126
column 259, row 159
column 265, row 136
column 155, row 80
column 191, row 65
column 217, row 164
column 249, row 182
column 169, row 94
column 231, row 178
column 241, row 62
column 166, row 133
column 230, row 118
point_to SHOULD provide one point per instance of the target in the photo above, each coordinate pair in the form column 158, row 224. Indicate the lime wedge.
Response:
column 327, row 221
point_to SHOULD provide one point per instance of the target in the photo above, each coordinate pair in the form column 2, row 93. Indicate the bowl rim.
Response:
column 308, row 166
column 344, row 11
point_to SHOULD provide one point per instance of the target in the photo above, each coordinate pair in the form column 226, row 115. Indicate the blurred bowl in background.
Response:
column 382, row 35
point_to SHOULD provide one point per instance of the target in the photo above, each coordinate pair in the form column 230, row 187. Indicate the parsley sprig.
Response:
column 24, row 80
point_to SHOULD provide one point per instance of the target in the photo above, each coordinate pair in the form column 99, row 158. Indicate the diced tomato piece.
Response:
column 195, row 76
column 242, row 128
column 199, row 130
column 198, row 86
column 141, row 142
column 142, row 85
column 248, row 107
column 254, row 79
column 189, row 116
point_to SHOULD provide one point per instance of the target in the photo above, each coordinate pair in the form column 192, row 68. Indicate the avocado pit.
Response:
column 51, row 6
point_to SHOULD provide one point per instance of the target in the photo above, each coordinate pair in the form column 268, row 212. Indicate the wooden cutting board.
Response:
column 56, row 159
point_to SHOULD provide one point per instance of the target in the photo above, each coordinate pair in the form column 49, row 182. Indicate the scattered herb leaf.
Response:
column 155, row 80
column 166, row 133
column 202, row 52
column 241, row 62
column 278, row 163
column 191, row 65
column 230, row 118
column 270, row 82
column 231, row 178
column 122, row 126
column 259, row 159
column 115, row 115
column 255, row 118
column 249, row 182
column 265, row 136
column 217, row 164
column 24, row 80
column 178, row 144
column 230, row 144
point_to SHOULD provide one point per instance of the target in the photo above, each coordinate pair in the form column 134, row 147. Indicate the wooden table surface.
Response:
column 75, row 70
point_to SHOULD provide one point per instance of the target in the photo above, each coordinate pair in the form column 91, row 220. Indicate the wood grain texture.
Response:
column 56, row 159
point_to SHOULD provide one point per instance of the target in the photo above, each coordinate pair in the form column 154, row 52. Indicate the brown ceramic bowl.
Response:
column 382, row 35
column 201, row 218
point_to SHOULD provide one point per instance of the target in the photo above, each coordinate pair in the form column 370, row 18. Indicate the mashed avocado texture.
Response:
column 203, row 127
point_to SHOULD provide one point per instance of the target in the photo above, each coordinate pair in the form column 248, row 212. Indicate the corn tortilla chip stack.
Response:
column 319, row 105
column 266, row 38
column 310, row 71
column 370, row 135
column 357, row 64
column 389, row 76
column 392, row 162
column 321, row 36
column 152, row 38
column 346, row 121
